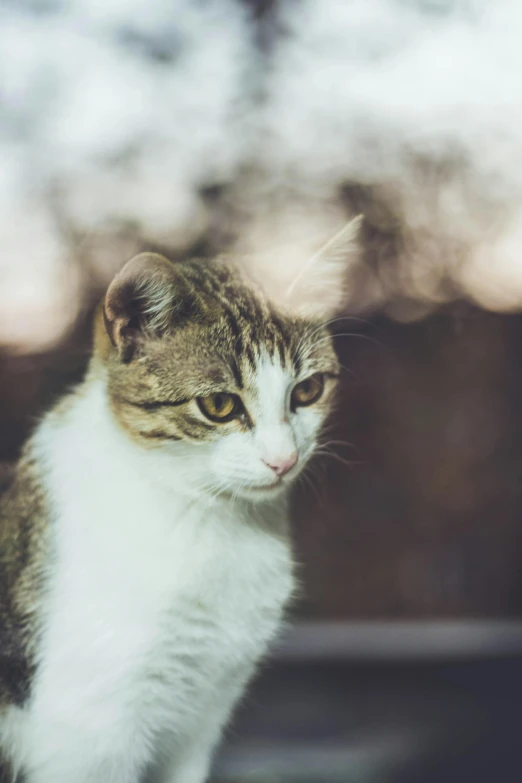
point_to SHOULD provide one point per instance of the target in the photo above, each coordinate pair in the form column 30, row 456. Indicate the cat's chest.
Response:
column 162, row 602
column 229, row 603
column 211, row 628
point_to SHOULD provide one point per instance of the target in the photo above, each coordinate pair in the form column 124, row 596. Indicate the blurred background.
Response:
column 258, row 127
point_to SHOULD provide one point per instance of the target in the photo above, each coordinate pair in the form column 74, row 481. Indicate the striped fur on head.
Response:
column 170, row 335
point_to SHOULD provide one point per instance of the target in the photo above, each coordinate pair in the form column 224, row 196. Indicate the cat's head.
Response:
column 200, row 366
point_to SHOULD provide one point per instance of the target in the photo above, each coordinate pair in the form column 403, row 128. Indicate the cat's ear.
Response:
column 317, row 289
column 141, row 301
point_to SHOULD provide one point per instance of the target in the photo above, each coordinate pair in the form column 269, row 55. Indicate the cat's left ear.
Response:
column 319, row 286
column 142, row 301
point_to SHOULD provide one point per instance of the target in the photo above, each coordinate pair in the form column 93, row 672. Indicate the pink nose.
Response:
column 283, row 465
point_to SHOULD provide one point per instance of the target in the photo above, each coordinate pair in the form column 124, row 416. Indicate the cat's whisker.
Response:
column 344, row 443
column 356, row 335
column 348, row 371
column 309, row 334
column 334, row 455
column 307, row 340
column 209, row 492
column 308, row 477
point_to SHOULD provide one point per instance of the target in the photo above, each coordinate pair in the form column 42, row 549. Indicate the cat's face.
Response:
column 201, row 367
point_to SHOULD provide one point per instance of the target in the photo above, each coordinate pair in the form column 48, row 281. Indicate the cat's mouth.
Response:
column 269, row 487
column 277, row 486
column 263, row 490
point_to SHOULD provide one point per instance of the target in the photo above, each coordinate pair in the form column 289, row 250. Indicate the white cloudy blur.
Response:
column 117, row 116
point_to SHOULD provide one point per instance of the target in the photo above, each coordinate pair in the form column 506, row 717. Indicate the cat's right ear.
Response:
column 141, row 301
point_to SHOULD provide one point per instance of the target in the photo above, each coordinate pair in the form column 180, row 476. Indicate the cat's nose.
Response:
column 282, row 465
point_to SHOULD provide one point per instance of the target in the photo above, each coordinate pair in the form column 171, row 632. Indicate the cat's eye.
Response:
column 220, row 407
column 308, row 391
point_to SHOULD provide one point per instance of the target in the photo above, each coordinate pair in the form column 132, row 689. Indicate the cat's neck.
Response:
column 83, row 445
column 81, row 435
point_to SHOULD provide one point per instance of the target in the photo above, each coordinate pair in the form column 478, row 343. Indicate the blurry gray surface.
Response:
column 383, row 703
column 400, row 640
column 332, row 762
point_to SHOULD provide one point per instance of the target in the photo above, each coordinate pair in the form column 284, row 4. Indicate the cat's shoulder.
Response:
column 7, row 474
column 23, row 526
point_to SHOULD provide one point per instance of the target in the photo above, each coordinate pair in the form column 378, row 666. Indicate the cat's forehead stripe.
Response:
column 246, row 319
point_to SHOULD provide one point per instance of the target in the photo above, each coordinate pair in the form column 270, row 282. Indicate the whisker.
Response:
column 347, row 370
column 333, row 455
column 345, row 443
column 349, row 334
column 307, row 476
column 331, row 321
column 307, row 337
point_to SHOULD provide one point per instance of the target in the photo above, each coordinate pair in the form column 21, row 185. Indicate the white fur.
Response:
column 162, row 598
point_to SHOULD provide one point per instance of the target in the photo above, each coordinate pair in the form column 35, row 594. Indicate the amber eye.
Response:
column 220, row 407
column 309, row 391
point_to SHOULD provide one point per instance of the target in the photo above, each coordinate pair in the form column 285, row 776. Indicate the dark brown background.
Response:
column 421, row 517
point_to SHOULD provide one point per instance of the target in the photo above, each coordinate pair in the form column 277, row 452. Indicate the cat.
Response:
column 145, row 554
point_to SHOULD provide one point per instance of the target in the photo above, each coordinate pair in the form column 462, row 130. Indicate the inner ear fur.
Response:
column 141, row 301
